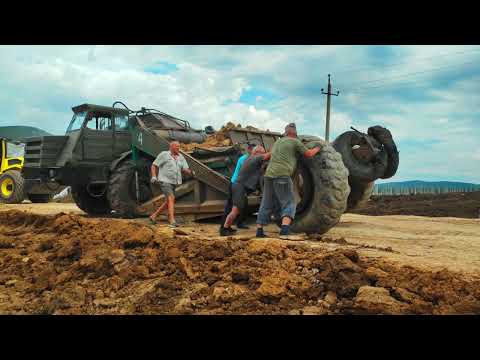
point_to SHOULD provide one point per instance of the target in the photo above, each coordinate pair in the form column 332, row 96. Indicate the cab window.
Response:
column 99, row 121
column 14, row 150
column 121, row 123
column 77, row 121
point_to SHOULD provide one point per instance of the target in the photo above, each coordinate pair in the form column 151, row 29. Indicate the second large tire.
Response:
column 357, row 169
column 326, row 197
column 93, row 205
column 12, row 190
column 121, row 189
column 359, row 194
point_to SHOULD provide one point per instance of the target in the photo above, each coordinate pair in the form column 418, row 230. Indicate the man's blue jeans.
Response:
column 277, row 196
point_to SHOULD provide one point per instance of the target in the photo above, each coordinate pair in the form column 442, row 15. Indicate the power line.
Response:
column 387, row 80
column 406, row 61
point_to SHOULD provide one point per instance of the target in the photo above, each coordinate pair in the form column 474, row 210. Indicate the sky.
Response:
column 427, row 96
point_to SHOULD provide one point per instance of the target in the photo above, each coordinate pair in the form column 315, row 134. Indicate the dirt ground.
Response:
column 52, row 262
column 462, row 205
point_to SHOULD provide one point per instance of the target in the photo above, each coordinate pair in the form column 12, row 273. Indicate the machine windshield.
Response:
column 15, row 150
column 77, row 121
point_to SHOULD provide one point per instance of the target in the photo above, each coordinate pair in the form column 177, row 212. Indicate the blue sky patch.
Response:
column 256, row 96
column 161, row 68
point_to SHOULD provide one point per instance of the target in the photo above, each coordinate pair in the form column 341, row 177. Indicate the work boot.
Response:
column 260, row 233
column 285, row 232
column 227, row 231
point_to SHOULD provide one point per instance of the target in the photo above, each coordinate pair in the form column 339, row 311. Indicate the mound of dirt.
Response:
column 462, row 205
column 69, row 264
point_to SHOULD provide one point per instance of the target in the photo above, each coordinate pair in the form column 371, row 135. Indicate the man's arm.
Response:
column 154, row 170
column 157, row 163
column 238, row 167
column 185, row 168
column 307, row 153
column 311, row 152
column 267, row 156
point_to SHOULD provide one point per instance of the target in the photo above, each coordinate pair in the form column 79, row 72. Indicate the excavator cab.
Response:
column 11, row 155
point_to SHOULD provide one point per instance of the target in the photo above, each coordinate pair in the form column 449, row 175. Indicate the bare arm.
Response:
column 266, row 156
column 154, row 170
column 312, row 152
column 185, row 169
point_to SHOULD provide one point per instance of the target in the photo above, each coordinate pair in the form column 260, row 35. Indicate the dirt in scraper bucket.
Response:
column 220, row 138
column 70, row 264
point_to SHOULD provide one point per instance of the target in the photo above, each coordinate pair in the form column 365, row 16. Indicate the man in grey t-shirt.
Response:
column 246, row 183
column 167, row 170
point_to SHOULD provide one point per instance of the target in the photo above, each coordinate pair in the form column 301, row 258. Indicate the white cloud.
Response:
column 435, row 127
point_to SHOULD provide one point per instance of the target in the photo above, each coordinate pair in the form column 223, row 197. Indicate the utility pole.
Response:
column 329, row 94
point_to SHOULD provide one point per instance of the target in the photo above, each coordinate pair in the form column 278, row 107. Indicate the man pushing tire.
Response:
column 278, row 185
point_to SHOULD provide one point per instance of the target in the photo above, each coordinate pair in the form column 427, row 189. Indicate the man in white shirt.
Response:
column 167, row 170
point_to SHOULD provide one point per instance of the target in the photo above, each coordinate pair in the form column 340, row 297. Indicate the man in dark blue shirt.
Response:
column 228, row 204
column 246, row 183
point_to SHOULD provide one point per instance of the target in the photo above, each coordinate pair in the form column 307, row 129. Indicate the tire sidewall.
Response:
column 18, row 194
column 356, row 168
column 330, row 191
column 119, row 193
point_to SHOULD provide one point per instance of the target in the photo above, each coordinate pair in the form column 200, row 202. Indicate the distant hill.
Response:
column 423, row 187
column 20, row 132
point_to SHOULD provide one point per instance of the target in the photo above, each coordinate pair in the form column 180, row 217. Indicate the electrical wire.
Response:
column 387, row 81
column 417, row 73
column 406, row 61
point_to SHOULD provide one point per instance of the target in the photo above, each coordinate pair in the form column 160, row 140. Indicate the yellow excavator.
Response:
column 12, row 184
column 12, row 189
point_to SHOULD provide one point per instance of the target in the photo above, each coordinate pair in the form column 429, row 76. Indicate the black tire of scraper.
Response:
column 120, row 195
column 91, row 205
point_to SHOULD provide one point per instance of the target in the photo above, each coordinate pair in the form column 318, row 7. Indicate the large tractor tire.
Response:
column 12, row 190
column 92, row 205
column 384, row 137
column 359, row 194
column 385, row 164
column 122, row 189
column 321, row 184
column 356, row 168
column 40, row 198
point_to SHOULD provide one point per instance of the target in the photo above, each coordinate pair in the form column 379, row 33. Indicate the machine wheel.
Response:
column 321, row 184
column 384, row 137
column 356, row 168
column 88, row 203
column 383, row 166
column 121, row 189
column 39, row 198
column 360, row 194
column 12, row 189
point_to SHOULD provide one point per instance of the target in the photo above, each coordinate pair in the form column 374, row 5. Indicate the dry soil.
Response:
column 59, row 263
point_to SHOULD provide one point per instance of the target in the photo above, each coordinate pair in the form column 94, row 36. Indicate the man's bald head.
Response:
column 175, row 147
column 258, row 150
column 291, row 130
